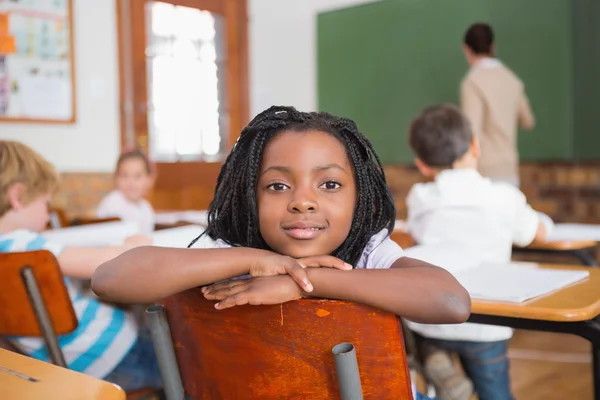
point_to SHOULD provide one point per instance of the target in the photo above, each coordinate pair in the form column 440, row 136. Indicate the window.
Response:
column 184, row 90
column 186, row 83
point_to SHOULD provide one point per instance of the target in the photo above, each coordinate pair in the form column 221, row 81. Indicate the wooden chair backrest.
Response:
column 58, row 219
column 283, row 351
column 404, row 239
column 17, row 317
column 89, row 221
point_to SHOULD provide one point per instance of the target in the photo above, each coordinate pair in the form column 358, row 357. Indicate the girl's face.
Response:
column 306, row 194
column 133, row 179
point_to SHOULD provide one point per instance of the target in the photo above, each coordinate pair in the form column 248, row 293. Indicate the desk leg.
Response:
column 585, row 256
column 589, row 330
column 596, row 370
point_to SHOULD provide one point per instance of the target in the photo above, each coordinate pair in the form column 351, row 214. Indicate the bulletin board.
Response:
column 37, row 76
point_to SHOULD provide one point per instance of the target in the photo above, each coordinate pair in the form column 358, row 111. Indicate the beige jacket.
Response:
column 493, row 99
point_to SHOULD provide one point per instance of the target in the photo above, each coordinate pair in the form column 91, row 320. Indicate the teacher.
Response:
column 494, row 101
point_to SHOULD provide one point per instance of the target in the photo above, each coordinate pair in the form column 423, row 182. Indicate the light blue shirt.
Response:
column 105, row 334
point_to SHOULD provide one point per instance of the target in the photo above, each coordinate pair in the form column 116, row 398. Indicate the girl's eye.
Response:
column 331, row 185
column 277, row 187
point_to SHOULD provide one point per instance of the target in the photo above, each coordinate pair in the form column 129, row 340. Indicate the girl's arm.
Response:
column 412, row 289
column 81, row 262
column 147, row 274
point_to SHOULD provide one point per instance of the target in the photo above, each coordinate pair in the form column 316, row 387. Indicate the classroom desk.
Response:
column 559, row 243
column 580, row 249
column 574, row 309
column 23, row 377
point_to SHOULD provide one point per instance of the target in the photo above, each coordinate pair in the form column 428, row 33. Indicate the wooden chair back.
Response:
column 283, row 351
column 17, row 316
column 404, row 239
column 58, row 218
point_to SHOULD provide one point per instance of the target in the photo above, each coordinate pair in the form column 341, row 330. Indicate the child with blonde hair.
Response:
column 106, row 343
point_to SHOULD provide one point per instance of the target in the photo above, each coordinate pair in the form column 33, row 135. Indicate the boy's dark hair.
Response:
column 480, row 38
column 233, row 213
column 440, row 135
column 133, row 154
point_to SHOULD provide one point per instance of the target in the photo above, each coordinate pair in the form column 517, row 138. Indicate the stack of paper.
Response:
column 516, row 282
column 194, row 217
column 575, row 232
column 179, row 237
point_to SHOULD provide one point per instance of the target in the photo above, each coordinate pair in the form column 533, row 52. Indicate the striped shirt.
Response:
column 105, row 334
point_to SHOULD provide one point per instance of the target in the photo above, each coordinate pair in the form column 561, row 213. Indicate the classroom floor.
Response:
column 550, row 366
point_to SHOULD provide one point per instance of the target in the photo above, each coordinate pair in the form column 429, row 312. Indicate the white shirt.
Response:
column 473, row 214
column 115, row 204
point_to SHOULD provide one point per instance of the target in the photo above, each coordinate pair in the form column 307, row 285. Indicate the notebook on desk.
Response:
column 180, row 237
column 102, row 234
column 173, row 217
column 567, row 232
column 516, row 282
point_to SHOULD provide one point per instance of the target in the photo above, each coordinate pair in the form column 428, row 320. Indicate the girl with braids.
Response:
column 298, row 191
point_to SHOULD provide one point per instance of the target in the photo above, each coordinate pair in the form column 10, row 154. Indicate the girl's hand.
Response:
column 283, row 265
column 253, row 291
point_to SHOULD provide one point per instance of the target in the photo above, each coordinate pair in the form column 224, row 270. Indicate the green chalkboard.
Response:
column 380, row 63
column 586, row 72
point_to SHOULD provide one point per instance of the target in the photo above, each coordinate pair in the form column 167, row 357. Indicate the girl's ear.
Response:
column 16, row 196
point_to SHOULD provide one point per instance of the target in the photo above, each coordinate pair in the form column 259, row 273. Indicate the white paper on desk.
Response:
column 192, row 216
column 566, row 232
column 102, row 234
column 514, row 282
column 181, row 237
column 400, row 225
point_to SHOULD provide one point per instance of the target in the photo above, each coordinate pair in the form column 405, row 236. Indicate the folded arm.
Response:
column 148, row 274
column 412, row 289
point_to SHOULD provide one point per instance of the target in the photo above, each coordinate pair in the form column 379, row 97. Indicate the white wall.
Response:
column 283, row 51
column 282, row 39
column 92, row 143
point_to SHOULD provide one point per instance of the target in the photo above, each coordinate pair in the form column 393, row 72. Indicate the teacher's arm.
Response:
column 525, row 115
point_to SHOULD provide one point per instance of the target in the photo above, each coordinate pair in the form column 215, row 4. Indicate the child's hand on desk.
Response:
column 137, row 241
column 255, row 291
column 283, row 265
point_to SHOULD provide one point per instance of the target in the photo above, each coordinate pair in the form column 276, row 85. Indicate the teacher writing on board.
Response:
column 493, row 99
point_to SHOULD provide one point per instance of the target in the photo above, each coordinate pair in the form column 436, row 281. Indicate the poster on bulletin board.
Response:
column 37, row 77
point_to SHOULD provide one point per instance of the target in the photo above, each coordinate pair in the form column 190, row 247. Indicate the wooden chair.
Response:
column 404, row 239
column 275, row 352
column 34, row 300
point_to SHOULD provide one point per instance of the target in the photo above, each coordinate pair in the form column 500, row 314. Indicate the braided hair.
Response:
column 233, row 212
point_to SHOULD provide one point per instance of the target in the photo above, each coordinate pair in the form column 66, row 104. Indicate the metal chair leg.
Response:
column 165, row 354
column 42, row 316
column 346, row 368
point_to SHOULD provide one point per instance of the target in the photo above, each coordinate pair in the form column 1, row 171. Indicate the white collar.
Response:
column 486, row 63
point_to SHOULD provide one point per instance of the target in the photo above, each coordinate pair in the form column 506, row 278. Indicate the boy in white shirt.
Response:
column 461, row 208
